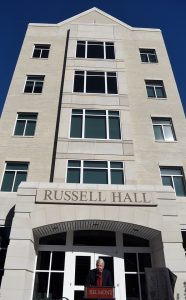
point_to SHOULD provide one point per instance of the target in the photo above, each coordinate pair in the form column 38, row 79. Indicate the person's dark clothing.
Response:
column 92, row 278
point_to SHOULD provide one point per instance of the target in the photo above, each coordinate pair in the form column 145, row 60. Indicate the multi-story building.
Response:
column 94, row 129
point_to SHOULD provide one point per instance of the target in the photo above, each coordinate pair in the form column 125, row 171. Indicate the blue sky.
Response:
column 168, row 15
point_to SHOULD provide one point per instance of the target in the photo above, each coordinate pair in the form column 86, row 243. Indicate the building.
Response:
column 94, row 130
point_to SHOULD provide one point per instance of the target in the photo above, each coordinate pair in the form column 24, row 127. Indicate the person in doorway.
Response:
column 99, row 276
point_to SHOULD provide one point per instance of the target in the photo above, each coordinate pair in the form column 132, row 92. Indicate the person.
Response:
column 99, row 276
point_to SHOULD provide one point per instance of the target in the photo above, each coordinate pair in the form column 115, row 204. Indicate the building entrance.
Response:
column 65, row 259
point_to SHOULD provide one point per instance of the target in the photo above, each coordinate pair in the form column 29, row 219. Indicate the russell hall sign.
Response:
column 94, row 197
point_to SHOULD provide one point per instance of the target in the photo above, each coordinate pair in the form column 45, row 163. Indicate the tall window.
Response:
column 25, row 124
column 174, row 176
column 163, row 129
column 34, row 84
column 49, row 275
column 95, row 82
column 90, row 49
column 183, row 232
column 155, row 89
column 98, row 172
column 4, row 241
column 15, row 173
column 96, row 124
column 148, row 55
column 41, row 51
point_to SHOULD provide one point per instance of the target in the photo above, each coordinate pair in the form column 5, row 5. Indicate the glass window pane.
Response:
column 78, row 295
column 80, row 51
column 95, row 51
column 143, row 286
column 73, row 176
column 29, row 87
column 95, row 176
column 54, row 239
column 144, row 57
column 180, row 186
column 170, row 171
column 168, row 133
column 19, row 129
column 56, row 286
column 112, row 85
column 43, row 260
column 79, row 83
column 40, row 286
column 77, row 111
column 94, row 238
column 110, row 52
column 95, row 164
column 95, row 84
column 113, row 113
column 58, row 261
column 16, row 166
column 76, row 126
column 82, row 267
column 130, row 260
column 150, row 91
column 8, row 181
column 134, row 241
column 158, row 133
column 45, row 53
column 160, row 92
column 74, row 163
column 30, row 128
column 21, row 176
column 132, row 287
column 116, row 164
column 144, row 261
column 38, row 87
column 166, row 180
column 152, row 58
column 36, row 53
column 95, row 112
column 114, row 128
column 95, row 127
column 117, row 177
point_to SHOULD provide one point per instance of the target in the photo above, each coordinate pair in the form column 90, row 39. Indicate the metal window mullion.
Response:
column 104, row 50
column 106, row 88
column 49, row 274
column 162, row 129
column 138, row 271
column 154, row 87
column 108, row 172
column 25, row 127
column 107, row 125
column 83, row 125
column 34, row 83
column 85, row 82
column 15, row 174
column 81, row 171
column 86, row 48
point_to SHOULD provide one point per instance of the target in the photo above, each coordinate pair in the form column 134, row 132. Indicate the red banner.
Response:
column 99, row 292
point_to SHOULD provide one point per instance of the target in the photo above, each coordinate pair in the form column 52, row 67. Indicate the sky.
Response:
column 168, row 15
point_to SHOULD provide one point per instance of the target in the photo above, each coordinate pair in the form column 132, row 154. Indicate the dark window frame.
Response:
column 148, row 55
column 86, row 48
column 24, row 117
column 41, row 51
column 34, row 84
column 153, row 86
column 106, row 115
column 85, row 78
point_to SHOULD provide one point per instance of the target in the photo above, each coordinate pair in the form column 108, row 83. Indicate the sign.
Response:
column 95, row 197
column 93, row 292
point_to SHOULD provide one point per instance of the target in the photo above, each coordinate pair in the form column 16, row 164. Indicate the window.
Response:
column 155, row 89
column 174, row 176
column 163, row 129
column 34, row 84
column 148, row 55
column 95, row 82
column 98, row 172
column 15, row 173
column 90, row 49
column 49, row 275
column 25, row 124
column 4, row 241
column 41, row 51
column 95, row 124
column 183, row 232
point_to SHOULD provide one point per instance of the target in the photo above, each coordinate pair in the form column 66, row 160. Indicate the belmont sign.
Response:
column 94, row 197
